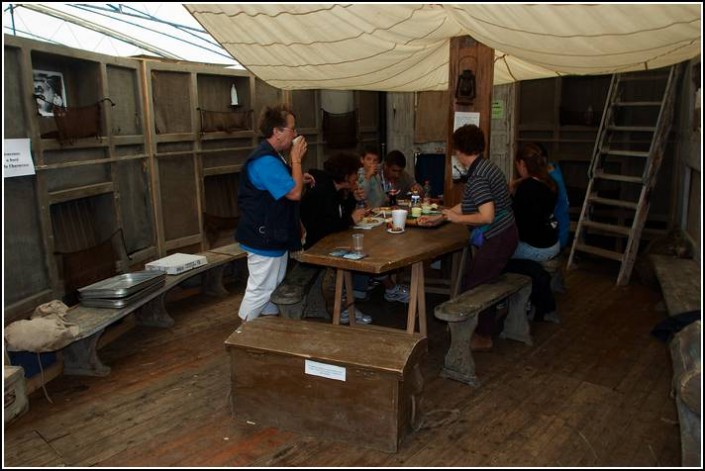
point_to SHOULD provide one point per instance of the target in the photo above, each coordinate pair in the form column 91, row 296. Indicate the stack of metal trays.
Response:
column 122, row 290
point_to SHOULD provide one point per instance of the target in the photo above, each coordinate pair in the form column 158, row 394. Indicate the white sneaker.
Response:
column 398, row 293
column 359, row 317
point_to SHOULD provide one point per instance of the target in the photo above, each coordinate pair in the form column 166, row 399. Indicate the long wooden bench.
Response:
column 461, row 313
column 681, row 290
column 81, row 357
column 300, row 293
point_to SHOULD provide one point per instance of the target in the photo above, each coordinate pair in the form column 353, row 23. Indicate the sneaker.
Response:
column 398, row 293
column 359, row 317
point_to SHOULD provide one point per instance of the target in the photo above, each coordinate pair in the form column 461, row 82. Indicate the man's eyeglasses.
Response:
column 293, row 130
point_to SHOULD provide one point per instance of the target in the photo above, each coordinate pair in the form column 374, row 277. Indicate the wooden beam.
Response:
column 466, row 53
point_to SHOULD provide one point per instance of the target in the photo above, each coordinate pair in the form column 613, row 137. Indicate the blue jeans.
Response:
column 529, row 252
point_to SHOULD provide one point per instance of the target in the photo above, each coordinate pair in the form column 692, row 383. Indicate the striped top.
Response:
column 486, row 182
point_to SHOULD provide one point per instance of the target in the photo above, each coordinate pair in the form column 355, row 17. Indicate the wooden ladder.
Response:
column 626, row 159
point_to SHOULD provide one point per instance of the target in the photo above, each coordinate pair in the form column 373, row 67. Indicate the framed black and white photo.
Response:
column 50, row 86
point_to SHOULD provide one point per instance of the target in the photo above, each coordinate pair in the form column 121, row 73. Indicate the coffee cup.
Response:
column 399, row 219
column 296, row 140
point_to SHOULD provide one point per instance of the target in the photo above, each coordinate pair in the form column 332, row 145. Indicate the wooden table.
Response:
column 387, row 252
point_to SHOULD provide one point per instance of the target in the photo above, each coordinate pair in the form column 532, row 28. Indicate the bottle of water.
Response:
column 427, row 192
column 361, row 184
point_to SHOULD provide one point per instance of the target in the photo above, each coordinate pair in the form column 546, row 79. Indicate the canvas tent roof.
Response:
column 398, row 47
column 393, row 47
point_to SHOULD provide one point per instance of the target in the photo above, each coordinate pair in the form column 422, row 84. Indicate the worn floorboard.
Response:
column 593, row 391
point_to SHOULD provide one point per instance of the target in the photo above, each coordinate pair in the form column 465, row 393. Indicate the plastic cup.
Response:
column 415, row 212
column 399, row 219
column 358, row 242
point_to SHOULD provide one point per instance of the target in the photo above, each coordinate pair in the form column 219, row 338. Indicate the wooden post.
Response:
column 466, row 53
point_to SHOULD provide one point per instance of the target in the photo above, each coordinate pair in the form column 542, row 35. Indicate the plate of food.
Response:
column 369, row 222
column 383, row 211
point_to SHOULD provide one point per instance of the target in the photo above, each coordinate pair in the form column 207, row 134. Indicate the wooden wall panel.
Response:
column 123, row 89
column 305, row 107
column 428, row 126
column 74, row 155
column 214, row 92
column 24, row 257
column 179, row 196
column 368, row 113
column 135, row 204
column 65, row 179
column 224, row 159
column 221, row 194
column 265, row 95
column 466, row 53
column 14, row 122
column 82, row 223
column 172, row 109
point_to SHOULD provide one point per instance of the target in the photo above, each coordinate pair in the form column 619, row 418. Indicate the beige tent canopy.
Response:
column 406, row 47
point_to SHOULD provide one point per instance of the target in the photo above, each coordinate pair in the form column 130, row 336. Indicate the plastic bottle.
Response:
column 427, row 192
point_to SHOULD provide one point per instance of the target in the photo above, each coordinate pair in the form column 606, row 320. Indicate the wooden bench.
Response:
column 81, row 357
column 300, row 293
column 461, row 313
column 680, row 286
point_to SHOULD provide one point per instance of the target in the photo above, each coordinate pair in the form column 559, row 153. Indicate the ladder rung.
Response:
column 608, row 227
column 632, row 128
column 644, row 77
column 599, row 252
column 627, row 153
column 611, row 202
column 637, row 103
column 618, row 178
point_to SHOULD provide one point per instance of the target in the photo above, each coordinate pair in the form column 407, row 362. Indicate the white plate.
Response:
column 369, row 223
column 395, row 232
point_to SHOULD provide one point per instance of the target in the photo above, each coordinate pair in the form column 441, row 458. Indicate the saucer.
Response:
column 395, row 232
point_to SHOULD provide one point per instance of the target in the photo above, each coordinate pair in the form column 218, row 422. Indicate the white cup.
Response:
column 296, row 140
column 357, row 242
column 399, row 219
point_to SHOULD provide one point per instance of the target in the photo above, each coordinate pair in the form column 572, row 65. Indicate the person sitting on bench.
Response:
column 487, row 209
column 534, row 198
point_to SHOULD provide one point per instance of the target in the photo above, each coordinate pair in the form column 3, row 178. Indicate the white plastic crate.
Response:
column 177, row 263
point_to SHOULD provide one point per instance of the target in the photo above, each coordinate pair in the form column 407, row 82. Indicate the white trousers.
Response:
column 265, row 274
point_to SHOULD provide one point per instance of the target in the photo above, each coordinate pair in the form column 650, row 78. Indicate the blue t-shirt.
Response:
column 269, row 173
column 561, row 212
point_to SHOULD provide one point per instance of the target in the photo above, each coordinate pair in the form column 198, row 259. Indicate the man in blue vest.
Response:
column 270, row 191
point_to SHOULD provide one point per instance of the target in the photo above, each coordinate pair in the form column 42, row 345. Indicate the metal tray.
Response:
column 117, row 303
column 122, row 285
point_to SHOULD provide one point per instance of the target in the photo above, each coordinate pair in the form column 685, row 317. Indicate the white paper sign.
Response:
column 323, row 370
column 18, row 158
column 465, row 117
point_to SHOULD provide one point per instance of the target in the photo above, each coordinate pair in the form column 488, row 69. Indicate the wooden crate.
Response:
column 354, row 384
column 15, row 392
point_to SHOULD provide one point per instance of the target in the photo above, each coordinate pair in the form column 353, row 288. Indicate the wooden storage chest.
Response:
column 15, row 392
column 356, row 384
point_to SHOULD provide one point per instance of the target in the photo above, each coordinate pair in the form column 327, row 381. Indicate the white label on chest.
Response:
column 323, row 370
